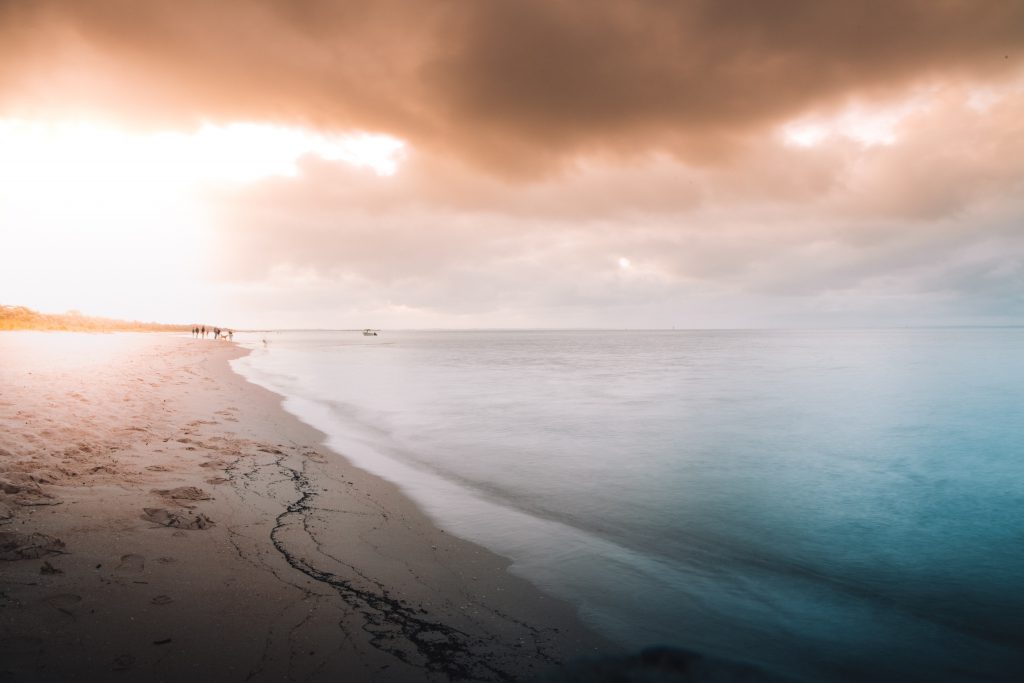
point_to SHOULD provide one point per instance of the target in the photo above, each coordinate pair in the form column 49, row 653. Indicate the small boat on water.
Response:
column 369, row 333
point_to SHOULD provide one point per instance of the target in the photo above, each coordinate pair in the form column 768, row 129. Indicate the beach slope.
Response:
column 163, row 519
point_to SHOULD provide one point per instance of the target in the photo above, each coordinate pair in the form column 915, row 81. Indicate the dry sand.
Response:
column 163, row 519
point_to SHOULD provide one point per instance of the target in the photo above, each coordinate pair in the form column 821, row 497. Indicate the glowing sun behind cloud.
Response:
column 868, row 126
column 113, row 222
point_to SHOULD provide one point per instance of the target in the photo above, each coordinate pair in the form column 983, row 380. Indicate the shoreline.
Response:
column 207, row 531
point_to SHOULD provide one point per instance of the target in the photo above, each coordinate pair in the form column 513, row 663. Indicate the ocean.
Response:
column 840, row 505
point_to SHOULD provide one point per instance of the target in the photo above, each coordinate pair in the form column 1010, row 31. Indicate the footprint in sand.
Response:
column 20, row 546
column 131, row 564
column 184, row 493
column 162, row 600
column 215, row 464
column 48, row 568
column 123, row 662
column 176, row 520
column 63, row 602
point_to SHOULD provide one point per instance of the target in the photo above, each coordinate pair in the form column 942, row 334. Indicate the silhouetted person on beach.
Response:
column 204, row 331
column 231, row 335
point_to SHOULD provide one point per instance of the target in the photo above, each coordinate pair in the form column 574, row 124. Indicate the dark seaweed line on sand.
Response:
column 445, row 649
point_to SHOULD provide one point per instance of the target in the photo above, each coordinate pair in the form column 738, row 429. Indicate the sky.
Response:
column 537, row 163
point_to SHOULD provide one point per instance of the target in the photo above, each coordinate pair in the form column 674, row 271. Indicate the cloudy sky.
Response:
column 515, row 164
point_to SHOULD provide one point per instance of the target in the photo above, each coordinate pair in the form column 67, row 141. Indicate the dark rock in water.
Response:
column 659, row 665
column 18, row 546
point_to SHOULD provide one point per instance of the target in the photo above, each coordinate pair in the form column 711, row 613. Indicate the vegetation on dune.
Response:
column 21, row 318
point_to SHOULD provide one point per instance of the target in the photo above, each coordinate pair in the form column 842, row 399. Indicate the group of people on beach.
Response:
column 201, row 331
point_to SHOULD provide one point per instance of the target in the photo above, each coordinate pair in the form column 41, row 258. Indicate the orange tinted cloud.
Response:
column 752, row 162
column 515, row 87
column 924, row 229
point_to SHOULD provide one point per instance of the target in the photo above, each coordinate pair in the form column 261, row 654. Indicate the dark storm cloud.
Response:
column 516, row 87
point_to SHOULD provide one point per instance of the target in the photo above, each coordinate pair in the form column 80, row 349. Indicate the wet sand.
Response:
column 163, row 519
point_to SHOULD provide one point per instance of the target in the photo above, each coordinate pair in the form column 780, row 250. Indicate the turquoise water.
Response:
column 830, row 505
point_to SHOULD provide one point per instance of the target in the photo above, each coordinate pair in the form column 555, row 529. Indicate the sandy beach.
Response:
column 163, row 519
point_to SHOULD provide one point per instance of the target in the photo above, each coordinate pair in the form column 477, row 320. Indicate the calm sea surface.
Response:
column 830, row 505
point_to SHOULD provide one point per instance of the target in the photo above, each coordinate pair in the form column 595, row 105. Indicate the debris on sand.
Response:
column 165, row 517
column 22, row 490
column 131, row 564
column 8, row 486
column 29, row 499
column 184, row 493
column 15, row 545
column 48, row 568
column 216, row 464
column 123, row 662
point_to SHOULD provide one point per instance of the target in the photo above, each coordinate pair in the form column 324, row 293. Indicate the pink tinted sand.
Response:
column 163, row 519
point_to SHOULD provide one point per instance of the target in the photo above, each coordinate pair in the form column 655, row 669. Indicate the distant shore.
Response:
column 22, row 318
column 163, row 518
